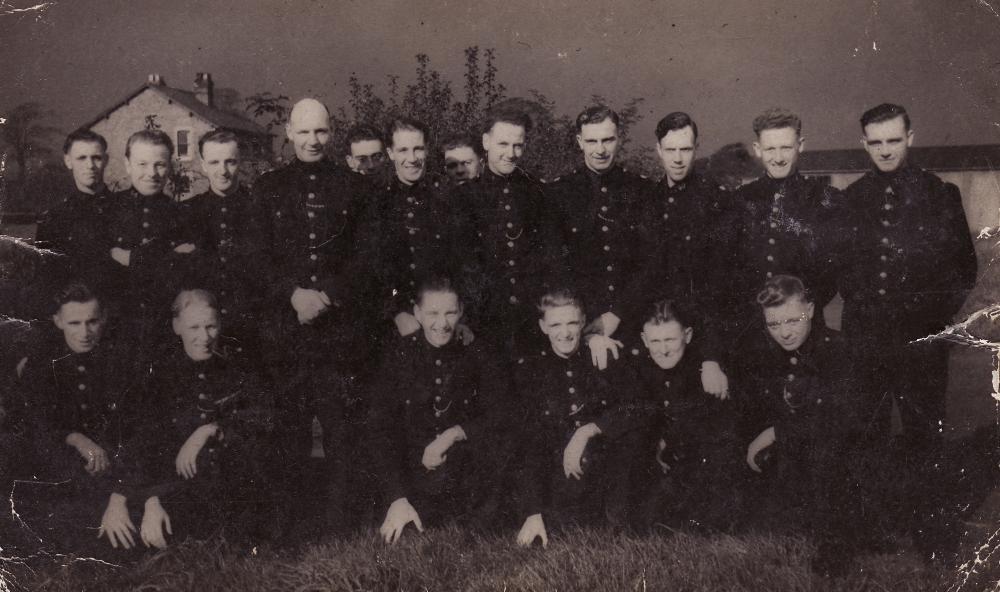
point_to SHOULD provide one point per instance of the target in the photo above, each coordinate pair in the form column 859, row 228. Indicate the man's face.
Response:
column 462, row 164
column 82, row 324
column 504, row 146
column 779, row 150
column 309, row 132
column 563, row 326
column 676, row 151
column 366, row 157
column 790, row 323
column 666, row 342
column 438, row 313
column 87, row 161
column 198, row 328
column 148, row 167
column 887, row 143
column 408, row 154
column 221, row 164
column 599, row 142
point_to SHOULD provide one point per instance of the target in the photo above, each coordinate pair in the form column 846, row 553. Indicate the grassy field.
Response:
column 450, row 559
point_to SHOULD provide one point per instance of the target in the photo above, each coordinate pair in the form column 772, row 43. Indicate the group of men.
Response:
column 498, row 350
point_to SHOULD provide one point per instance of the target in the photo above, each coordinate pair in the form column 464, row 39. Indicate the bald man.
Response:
column 308, row 216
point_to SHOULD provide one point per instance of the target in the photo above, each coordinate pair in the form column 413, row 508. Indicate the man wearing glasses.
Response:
column 802, row 403
column 367, row 155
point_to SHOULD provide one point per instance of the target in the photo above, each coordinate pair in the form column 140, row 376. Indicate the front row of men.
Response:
column 200, row 442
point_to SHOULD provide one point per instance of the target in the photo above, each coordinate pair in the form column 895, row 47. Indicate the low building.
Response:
column 185, row 116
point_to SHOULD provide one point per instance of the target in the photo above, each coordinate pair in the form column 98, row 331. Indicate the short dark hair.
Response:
column 884, row 112
column 560, row 296
column 219, row 136
column 596, row 114
column 461, row 141
column 437, row 283
column 662, row 312
column 154, row 137
column 84, row 135
column 777, row 118
column 75, row 292
column 780, row 289
column 511, row 116
column 403, row 123
column 363, row 132
column 677, row 120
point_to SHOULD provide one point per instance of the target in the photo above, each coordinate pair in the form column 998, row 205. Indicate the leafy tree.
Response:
column 25, row 140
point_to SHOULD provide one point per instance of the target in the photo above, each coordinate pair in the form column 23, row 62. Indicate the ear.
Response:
column 288, row 131
column 756, row 150
column 688, row 334
column 909, row 138
column 176, row 324
column 541, row 325
column 645, row 341
column 579, row 141
column 864, row 141
column 416, row 311
column 802, row 144
column 350, row 161
column 128, row 167
column 57, row 319
column 486, row 141
column 810, row 310
column 67, row 161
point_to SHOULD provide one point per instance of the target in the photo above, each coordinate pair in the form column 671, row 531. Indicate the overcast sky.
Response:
column 722, row 61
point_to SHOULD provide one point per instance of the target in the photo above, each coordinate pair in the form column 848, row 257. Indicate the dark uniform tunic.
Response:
column 811, row 398
column 699, row 460
column 308, row 218
column 601, row 218
column 516, row 244
column 422, row 233
column 97, row 394
column 74, row 230
column 691, row 242
column 906, row 266
column 230, row 482
column 560, row 395
column 422, row 391
column 782, row 227
column 227, row 256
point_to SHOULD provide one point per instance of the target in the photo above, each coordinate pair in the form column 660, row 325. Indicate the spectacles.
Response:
column 377, row 158
column 454, row 164
column 775, row 325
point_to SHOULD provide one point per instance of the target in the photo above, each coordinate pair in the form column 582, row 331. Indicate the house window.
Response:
column 184, row 144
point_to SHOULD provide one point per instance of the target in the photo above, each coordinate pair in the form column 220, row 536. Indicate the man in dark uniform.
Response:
column 574, row 440
column 218, row 224
column 77, row 406
column 422, row 232
column 905, row 268
column 308, row 216
column 804, row 401
column 140, row 236
column 690, row 243
column 515, row 240
column 600, row 214
column 435, row 411
column 781, row 220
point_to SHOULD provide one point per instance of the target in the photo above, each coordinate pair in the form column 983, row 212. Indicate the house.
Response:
column 185, row 116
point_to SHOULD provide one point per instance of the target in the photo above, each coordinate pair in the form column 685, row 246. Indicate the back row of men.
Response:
column 324, row 266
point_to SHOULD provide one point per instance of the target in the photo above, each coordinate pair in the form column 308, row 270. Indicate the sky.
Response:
column 722, row 61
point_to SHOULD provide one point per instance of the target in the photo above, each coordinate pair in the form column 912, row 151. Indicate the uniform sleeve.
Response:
column 533, row 446
column 386, row 420
column 625, row 416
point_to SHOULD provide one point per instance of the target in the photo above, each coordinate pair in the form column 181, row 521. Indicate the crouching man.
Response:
column 804, row 396
column 434, row 405
column 574, row 451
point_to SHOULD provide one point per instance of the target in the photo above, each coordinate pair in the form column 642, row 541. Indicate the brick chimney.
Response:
column 155, row 80
column 203, row 88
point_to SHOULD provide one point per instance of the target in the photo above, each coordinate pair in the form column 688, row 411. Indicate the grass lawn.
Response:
column 450, row 559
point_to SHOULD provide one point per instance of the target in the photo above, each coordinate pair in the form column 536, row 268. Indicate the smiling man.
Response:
column 599, row 212
column 782, row 220
column 307, row 217
column 907, row 263
column 574, row 413
column 218, row 224
column 436, row 403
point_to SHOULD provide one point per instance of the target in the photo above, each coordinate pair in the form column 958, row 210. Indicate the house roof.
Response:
column 979, row 157
column 187, row 100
